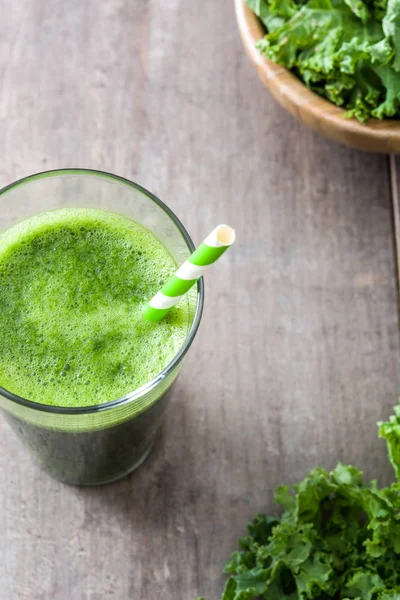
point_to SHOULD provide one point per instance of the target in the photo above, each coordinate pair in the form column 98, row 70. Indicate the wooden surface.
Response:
column 312, row 110
column 291, row 370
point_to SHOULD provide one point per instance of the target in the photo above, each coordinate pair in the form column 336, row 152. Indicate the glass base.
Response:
column 117, row 477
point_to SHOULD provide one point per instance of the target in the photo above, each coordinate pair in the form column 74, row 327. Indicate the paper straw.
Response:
column 219, row 240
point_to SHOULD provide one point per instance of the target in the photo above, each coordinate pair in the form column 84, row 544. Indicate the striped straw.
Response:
column 186, row 276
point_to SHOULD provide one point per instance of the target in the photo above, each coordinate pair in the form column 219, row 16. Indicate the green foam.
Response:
column 73, row 286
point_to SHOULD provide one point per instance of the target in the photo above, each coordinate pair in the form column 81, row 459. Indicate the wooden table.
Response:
column 289, row 371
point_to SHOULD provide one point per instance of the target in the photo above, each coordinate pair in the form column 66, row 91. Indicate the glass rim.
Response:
column 149, row 386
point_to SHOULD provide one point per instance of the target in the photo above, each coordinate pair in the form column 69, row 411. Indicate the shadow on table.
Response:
column 193, row 474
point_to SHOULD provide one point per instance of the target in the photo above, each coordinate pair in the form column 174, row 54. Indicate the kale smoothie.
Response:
column 73, row 285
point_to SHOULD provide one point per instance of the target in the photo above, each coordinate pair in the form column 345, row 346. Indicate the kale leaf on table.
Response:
column 390, row 431
column 345, row 50
column 337, row 537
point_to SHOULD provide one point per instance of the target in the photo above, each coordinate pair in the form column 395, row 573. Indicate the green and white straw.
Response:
column 215, row 244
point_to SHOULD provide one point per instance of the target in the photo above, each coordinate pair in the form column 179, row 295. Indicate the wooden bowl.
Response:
column 309, row 108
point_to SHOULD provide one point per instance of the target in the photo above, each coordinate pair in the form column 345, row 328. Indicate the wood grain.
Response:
column 306, row 106
column 394, row 167
column 298, row 353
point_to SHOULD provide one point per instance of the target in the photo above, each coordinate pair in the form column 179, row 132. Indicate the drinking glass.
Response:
column 97, row 444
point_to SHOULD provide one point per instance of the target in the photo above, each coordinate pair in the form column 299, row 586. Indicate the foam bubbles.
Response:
column 74, row 283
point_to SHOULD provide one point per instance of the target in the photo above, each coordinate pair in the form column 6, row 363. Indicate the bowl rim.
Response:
column 300, row 96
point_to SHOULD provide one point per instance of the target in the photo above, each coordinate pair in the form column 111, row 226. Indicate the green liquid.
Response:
column 73, row 286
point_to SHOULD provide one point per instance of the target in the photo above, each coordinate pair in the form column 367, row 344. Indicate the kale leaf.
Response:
column 337, row 538
column 345, row 50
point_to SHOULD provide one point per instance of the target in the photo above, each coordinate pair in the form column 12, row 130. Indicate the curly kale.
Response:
column 345, row 50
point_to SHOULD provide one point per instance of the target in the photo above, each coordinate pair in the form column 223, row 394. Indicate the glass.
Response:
column 97, row 444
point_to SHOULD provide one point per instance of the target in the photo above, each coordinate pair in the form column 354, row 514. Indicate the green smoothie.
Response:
column 73, row 285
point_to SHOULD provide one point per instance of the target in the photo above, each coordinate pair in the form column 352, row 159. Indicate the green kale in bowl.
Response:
column 347, row 51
